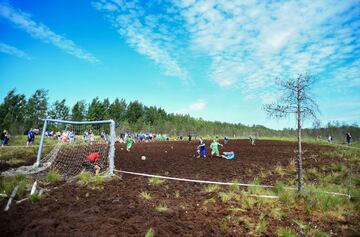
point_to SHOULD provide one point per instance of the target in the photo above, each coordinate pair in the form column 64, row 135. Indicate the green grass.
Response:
column 285, row 232
column 276, row 213
column 210, row 200
column 162, row 208
column 261, row 226
column 155, row 180
column 235, row 209
column 211, row 188
column 280, row 170
column 91, row 181
column 228, row 196
column 145, row 195
column 7, row 184
column 245, row 221
column 150, row 233
column 20, row 140
column 316, row 199
column 286, row 196
column 34, row 197
column 17, row 156
column 16, row 162
column 53, row 176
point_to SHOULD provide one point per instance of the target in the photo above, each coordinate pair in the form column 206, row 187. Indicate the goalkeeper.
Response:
column 90, row 162
column 215, row 148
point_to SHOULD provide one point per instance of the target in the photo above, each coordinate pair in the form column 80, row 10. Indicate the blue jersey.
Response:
column 229, row 155
column 31, row 135
column 202, row 148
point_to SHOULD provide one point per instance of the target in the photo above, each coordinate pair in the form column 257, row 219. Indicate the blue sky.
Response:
column 212, row 59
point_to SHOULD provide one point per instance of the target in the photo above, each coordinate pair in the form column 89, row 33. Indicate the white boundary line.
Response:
column 194, row 180
column 220, row 183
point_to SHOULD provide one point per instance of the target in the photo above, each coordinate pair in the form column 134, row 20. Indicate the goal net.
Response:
column 72, row 142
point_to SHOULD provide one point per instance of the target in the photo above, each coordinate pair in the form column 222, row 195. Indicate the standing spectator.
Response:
column 91, row 137
column 4, row 138
column 226, row 139
column 85, row 137
column 71, row 136
column 330, row 139
column 30, row 137
column 348, row 138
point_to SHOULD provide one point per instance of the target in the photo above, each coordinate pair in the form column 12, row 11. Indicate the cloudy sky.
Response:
column 214, row 59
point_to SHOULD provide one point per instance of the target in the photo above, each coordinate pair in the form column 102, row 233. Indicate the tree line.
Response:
column 18, row 114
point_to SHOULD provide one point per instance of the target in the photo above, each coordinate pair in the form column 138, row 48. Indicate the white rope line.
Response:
column 193, row 180
column 219, row 183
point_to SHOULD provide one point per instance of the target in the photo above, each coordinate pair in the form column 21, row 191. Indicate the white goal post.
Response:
column 112, row 137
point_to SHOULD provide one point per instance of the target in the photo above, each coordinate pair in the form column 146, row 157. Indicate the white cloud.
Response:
column 248, row 43
column 39, row 31
column 11, row 50
column 149, row 33
column 199, row 105
column 252, row 42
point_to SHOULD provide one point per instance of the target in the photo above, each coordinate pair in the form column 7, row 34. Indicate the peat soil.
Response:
column 116, row 209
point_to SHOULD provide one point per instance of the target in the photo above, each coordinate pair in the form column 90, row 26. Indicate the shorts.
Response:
column 215, row 152
column 230, row 156
column 202, row 152
column 88, row 165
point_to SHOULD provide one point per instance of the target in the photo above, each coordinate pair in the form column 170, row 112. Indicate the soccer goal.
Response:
column 73, row 142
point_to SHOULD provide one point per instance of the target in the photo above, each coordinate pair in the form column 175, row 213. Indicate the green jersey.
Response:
column 129, row 142
column 214, row 146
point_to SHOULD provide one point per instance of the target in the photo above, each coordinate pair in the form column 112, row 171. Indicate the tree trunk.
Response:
column 299, row 159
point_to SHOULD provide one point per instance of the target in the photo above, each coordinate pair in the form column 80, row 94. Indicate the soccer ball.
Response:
column 143, row 158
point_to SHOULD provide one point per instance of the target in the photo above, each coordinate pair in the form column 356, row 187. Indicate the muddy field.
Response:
column 117, row 210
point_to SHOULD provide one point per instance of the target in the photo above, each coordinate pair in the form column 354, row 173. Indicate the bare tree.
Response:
column 296, row 99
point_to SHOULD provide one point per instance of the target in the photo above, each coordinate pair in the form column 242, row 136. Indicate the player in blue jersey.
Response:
column 201, row 150
column 228, row 155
